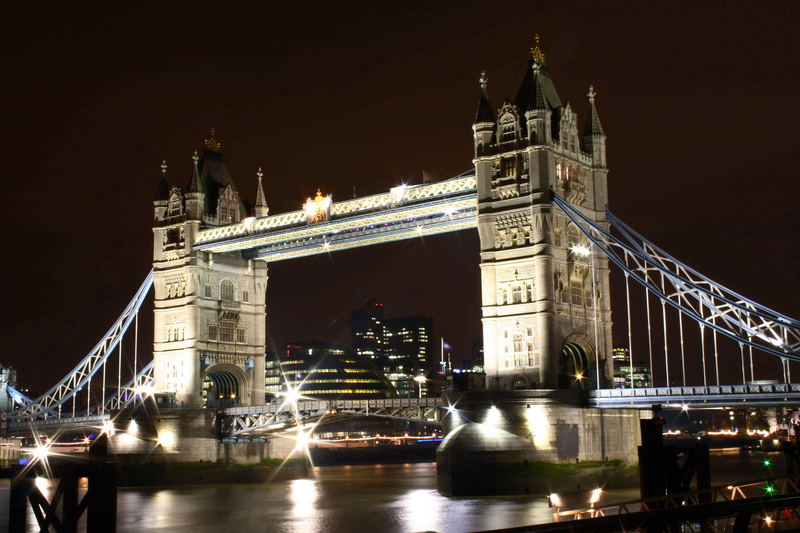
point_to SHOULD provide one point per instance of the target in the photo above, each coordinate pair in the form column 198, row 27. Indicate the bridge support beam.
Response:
column 505, row 443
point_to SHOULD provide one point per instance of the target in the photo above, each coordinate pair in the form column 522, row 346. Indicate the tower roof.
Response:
column 485, row 112
column 593, row 125
column 210, row 175
column 538, row 99
column 536, row 73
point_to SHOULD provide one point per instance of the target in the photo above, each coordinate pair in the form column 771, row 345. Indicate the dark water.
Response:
column 352, row 499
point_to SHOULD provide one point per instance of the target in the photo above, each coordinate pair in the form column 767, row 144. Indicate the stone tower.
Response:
column 544, row 322
column 209, row 326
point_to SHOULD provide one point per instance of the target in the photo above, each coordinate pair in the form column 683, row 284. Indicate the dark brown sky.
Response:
column 699, row 100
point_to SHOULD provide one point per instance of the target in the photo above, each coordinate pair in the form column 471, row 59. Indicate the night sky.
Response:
column 699, row 101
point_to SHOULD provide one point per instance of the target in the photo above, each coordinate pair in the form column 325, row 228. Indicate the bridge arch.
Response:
column 225, row 385
column 576, row 362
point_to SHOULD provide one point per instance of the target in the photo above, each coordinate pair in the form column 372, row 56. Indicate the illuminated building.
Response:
column 401, row 348
column 322, row 370
column 622, row 370
column 273, row 380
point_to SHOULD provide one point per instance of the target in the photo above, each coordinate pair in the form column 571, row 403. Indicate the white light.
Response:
column 40, row 451
column 420, row 379
column 291, row 395
column 144, row 390
column 166, row 439
column 133, row 428
column 449, row 211
column 42, row 483
column 326, row 244
column 684, row 407
column 451, row 409
column 595, row 497
column 108, row 428
column 555, row 500
column 581, row 250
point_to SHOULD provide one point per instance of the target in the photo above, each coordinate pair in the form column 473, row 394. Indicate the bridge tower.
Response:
column 544, row 321
column 209, row 325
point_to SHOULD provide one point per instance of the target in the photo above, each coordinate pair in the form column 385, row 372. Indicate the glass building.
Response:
column 325, row 371
column 401, row 348
column 621, row 357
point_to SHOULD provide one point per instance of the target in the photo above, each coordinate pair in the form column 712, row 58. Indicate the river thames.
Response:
column 397, row 498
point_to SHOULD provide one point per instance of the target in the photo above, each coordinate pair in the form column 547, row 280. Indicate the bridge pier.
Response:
column 506, row 443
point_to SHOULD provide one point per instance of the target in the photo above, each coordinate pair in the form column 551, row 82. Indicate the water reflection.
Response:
column 366, row 498
column 303, row 495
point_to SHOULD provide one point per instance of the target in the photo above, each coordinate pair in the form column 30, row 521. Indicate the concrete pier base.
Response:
column 186, row 435
column 514, row 442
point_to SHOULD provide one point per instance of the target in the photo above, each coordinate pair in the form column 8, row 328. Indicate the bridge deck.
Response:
column 769, row 395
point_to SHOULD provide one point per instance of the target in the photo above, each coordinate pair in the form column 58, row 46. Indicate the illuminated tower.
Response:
column 544, row 321
column 209, row 326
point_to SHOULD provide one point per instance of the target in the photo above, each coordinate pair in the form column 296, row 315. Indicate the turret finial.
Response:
column 195, row 158
column 591, row 94
column 164, row 167
column 536, row 52
column 260, row 174
column 484, row 80
column 213, row 144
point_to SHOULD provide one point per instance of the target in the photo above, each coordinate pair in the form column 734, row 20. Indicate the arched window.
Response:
column 226, row 290
column 508, row 167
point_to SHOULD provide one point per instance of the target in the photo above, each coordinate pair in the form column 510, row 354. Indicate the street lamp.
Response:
column 420, row 380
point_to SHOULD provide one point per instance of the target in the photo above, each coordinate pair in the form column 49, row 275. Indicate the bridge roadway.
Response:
column 277, row 416
column 762, row 395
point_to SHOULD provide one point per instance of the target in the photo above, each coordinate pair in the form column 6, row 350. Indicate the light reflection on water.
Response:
column 367, row 498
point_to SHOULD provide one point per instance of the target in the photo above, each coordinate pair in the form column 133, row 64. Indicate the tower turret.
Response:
column 162, row 195
column 594, row 138
column 195, row 192
column 538, row 116
column 261, row 207
column 484, row 125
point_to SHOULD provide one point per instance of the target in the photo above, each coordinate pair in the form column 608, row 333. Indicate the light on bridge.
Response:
column 166, row 439
column 581, row 250
column 40, row 452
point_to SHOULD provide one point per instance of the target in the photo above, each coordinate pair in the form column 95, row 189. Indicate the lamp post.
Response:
column 420, row 380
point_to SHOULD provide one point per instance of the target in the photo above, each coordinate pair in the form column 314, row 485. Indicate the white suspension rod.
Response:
column 716, row 353
column 630, row 335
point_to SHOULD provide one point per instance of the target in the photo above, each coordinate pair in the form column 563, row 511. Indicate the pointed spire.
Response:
column 593, row 125
column 163, row 185
column 485, row 112
column 213, row 144
column 196, row 184
column 539, row 101
column 261, row 207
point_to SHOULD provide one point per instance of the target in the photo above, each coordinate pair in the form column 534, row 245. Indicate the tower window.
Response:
column 508, row 133
column 226, row 290
column 558, row 170
column 212, row 332
column 207, row 291
column 508, row 167
column 245, row 296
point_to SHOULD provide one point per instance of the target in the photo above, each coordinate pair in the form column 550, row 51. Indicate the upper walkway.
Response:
column 405, row 212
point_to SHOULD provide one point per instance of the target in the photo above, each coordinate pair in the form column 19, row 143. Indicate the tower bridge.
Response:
column 538, row 197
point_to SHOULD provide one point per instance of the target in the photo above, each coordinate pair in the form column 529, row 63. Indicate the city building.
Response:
column 401, row 348
column 273, row 379
column 621, row 358
column 325, row 371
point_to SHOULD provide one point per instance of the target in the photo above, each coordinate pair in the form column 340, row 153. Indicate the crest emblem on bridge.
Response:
column 318, row 209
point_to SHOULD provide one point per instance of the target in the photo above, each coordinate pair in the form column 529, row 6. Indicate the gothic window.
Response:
column 573, row 236
column 207, row 291
column 576, row 285
column 572, row 143
column 528, row 237
column 515, row 237
column 517, row 343
column 226, row 290
column 566, row 172
column 212, row 332
column 501, row 238
column 508, row 133
column 240, row 335
column 508, row 167
column 529, row 291
column 226, row 329
column 517, row 294
column 174, row 208
column 529, row 332
column 558, row 170
column 228, row 206
column 245, row 296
